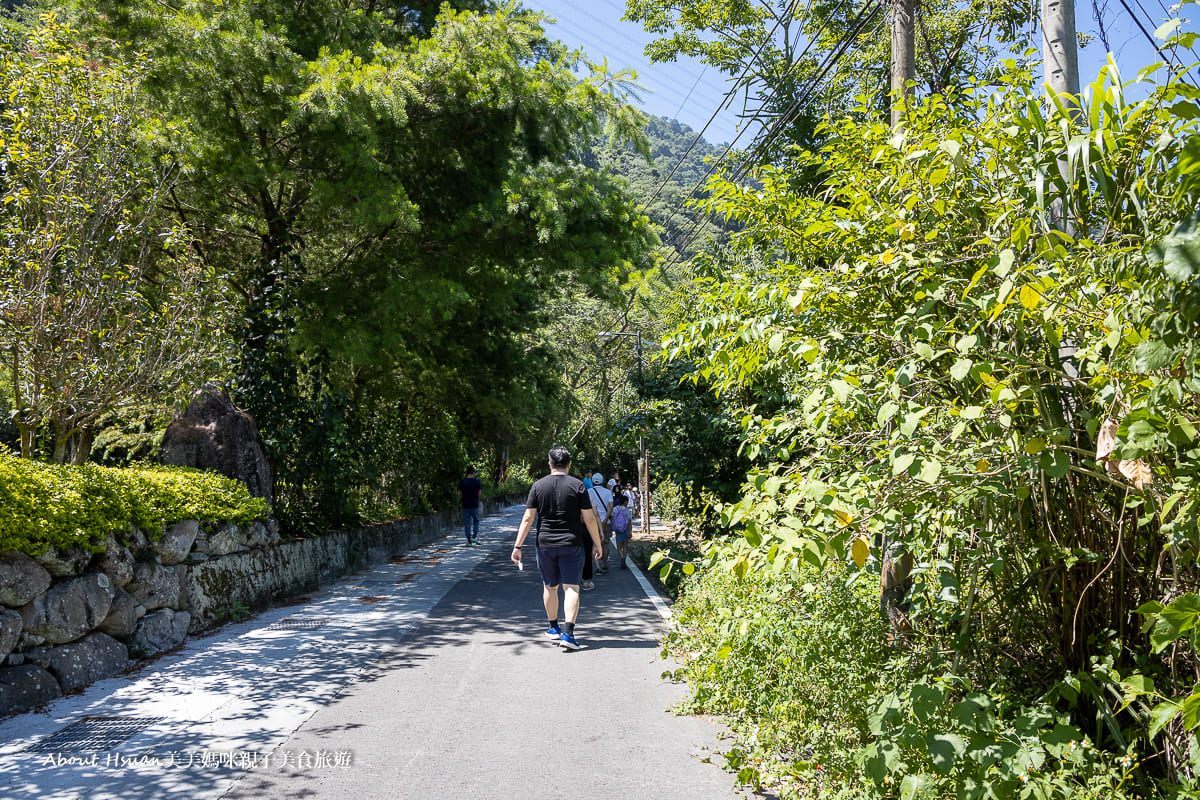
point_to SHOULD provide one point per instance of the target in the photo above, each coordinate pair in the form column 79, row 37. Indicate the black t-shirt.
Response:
column 560, row 501
column 470, row 488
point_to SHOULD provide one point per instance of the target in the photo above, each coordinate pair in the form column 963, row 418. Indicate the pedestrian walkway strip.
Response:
column 190, row 723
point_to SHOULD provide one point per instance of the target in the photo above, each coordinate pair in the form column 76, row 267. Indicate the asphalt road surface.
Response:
column 428, row 677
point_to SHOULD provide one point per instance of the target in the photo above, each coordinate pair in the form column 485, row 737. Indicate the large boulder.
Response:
column 21, row 579
column 118, row 561
column 70, row 609
column 159, row 631
column 219, row 541
column 123, row 615
column 66, row 562
column 10, row 631
column 215, row 434
column 26, row 687
column 259, row 535
column 177, row 542
column 93, row 657
column 155, row 586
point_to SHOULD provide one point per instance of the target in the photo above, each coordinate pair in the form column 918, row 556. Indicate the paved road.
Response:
column 425, row 678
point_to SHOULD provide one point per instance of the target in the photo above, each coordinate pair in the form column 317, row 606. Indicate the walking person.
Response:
column 566, row 523
column 622, row 527
column 469, row 490
column 589, row 565
column 602, row 504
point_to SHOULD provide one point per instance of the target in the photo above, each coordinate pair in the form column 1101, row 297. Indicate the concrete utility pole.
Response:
column 1060, row 47
column 904, row 57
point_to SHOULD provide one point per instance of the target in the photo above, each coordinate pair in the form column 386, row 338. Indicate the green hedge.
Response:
column 43, row 505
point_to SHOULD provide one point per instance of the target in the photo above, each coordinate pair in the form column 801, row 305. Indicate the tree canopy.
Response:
column 396, row 196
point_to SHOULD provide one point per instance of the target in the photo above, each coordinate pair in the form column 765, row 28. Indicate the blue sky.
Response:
column 687, row 91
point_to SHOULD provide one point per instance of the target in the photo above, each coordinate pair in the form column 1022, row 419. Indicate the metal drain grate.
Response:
column 298, row 624
column 92, row 734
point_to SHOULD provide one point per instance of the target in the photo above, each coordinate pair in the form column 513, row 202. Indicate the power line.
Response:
column 689, row 94
column 728, row 96
column 785, row 119
column 1167, row 12
column 1150, row 38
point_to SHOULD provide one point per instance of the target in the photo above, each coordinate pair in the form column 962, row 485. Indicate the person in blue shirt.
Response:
column 469, row 489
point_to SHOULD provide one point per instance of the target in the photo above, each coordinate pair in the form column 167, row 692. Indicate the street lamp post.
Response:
column 643, row 457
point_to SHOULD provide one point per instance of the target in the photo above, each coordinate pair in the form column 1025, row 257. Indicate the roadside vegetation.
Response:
column 924, row 400
column 942, row 392
column 46, row 506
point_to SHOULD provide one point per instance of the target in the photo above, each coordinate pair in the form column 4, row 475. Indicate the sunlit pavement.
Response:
column 418, row 678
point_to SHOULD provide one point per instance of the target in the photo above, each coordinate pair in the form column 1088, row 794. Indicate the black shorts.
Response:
column 559, row 565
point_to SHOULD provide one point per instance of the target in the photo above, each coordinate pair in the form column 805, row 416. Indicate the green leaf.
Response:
column 1004, row 263
column 975, row 712
column 1191, row 711
column 1162, row 714
column 913, row 787
column 944, row 750
column 886, row 412
column 971, row 412
column 961, row 369
column 1177, row 618
column 1151, row 355
column 885, row 714
column 931, row 471
column 1179, row 252
column 881, row 759
column 902, row 463
column 1055, row 463
column 1164, row 31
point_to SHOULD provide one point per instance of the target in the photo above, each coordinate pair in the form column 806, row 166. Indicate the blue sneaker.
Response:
column 567, row 642
column 553, row 632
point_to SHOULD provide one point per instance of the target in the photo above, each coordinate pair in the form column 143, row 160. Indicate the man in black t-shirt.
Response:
column 469, row 489
column 565, row 522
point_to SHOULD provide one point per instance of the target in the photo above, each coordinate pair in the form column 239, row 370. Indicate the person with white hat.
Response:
column 602, row 503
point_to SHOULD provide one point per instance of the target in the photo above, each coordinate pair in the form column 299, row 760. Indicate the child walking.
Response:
column 621, row 527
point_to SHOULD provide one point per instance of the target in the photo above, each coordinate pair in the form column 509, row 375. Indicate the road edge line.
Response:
column 659, row 601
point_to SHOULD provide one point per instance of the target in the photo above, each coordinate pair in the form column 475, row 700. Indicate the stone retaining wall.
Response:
column 68, row 618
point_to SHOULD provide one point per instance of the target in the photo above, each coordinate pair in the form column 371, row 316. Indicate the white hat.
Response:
column 598, row 479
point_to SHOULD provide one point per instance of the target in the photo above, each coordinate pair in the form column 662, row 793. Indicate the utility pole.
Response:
column 904, row 57
column 1060, row 47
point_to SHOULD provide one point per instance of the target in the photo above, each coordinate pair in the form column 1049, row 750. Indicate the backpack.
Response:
column 620, row 520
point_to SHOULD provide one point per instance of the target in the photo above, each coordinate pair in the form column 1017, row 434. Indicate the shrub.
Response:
column 45, row 506
column 793, row 660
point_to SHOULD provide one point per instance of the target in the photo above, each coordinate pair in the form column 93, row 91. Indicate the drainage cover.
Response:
column 93, row 734
column 289, row 624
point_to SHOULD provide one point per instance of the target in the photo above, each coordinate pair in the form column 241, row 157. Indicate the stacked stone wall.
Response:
column 69, row 618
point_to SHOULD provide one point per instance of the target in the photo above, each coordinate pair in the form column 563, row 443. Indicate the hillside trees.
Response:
column 395, row 197
column 102, row 302
column 925, row 366
column 798, row 61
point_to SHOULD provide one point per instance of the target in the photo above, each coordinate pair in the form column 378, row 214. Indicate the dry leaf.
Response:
column 1138, row 472
column 1106, row 439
